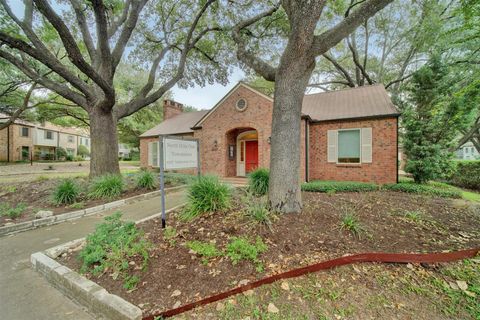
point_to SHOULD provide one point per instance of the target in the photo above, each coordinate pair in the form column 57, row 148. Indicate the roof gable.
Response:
column 219, row 103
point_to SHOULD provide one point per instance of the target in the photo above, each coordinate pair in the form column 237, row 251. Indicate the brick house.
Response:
column 22, row 140
column 348, row 135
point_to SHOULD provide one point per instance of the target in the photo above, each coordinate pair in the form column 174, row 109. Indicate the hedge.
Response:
column 467, row 175
column 338, row 186
column 438, row 190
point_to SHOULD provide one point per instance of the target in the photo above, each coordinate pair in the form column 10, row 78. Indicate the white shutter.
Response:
column 367, row 145
column 150, row 154
column 332, row 146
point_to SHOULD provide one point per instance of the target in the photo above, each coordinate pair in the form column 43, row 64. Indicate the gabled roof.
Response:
column 239, row 84
column 361, row 102
column 178, row 124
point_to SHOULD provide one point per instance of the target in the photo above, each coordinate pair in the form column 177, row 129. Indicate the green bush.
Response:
column 69, row 157
column 83, row 151
column 467, row 175
column 241, row 249
column 107, row 186
column 338, row 186
column 12, row 212
column 430, row 189
column 206, row 194
column 66, row 192
column 258, row 181
column 258, row 209
column 146, row 180
column 112, row 245
column 61, row 153
column 204, row 249
column 174, row 178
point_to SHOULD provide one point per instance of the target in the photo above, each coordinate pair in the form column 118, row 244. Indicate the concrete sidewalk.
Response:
column 24, row 294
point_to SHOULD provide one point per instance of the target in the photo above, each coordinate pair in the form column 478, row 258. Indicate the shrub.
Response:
column 83, row 151
column 174, row 178
column 241, row 249
column 204, row 249
column 257, row 209
column 146, row 180
column 66, row 192
column 206, row 194
column 467, row 175
column 258, row 181
column 111, row 246
column 338, row 186
column 77, row 158
column 61, row 153
column 69, row 157
column 427, row 189
column 350, row 223
column 12, row 212
column 107, row 186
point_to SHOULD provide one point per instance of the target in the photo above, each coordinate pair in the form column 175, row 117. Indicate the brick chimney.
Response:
column 171, row 109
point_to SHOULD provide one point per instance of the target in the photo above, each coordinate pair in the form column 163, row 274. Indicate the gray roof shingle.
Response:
column 360, row 102
column 178, row 124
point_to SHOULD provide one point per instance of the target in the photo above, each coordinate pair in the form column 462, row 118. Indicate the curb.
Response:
column 29, row 225
column 96, row 299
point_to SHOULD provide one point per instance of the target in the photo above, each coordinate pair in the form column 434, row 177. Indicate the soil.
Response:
column 293, row 241
column 37, row 195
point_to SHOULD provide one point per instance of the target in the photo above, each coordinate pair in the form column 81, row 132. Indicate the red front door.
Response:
column 251, row 156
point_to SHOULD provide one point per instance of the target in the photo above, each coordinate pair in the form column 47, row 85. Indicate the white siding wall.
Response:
column 40, row 140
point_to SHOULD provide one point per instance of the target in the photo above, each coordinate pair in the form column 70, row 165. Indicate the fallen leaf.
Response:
column 220, row 306
column 176, row 293
column 462, row 285
column 285, row 286
column 248, row 293
column 272, row 308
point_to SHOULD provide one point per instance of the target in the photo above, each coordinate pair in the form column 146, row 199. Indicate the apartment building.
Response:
column 23, row 140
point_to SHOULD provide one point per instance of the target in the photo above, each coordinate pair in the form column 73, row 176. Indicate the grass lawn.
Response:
column 467, row 195
column 362, row 291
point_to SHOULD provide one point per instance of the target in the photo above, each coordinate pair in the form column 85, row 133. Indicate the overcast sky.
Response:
column 208, row 96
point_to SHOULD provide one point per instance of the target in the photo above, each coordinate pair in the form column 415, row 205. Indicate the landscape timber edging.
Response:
column 33, row 224
column 96, row 299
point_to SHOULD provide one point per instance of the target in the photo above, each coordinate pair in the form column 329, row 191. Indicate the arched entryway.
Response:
column 243, row 151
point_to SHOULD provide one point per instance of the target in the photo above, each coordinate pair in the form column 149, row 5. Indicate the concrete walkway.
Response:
column 24, row 294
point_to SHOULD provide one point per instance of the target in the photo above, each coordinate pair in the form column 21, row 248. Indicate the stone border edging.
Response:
column 96, row 299
column 33, row 224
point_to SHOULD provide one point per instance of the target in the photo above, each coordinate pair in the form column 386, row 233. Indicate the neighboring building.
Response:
column 124, row 151
column 468, row 152
column 22, row 140
column 346, row 135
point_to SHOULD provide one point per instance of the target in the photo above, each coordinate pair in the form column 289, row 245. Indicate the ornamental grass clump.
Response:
column 111, row 247
column 107, row 186
column 66, row 192
column 146, row 180
column 207, row 194
column 258, row 181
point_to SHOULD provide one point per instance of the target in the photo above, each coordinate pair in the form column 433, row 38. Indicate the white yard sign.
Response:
column 180, row 154
column 176, row 153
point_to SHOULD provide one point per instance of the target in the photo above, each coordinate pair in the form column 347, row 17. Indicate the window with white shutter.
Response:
column 367, row 145
column 348, row 146
column 150, row 154
column 332, row 145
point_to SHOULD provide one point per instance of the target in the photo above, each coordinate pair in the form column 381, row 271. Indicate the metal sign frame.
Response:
column 161, row 139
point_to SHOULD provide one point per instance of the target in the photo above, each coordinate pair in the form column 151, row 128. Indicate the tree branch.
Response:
column 20, row 110
column 328, row 39
column 72, row 49
column 87, row 38
column 342, row 70
column 246, row 56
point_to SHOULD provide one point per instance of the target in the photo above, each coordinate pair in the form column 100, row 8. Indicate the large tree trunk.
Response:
column 104, row 143
column 290, row 84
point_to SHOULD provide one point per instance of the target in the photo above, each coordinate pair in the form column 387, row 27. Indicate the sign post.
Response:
column 176, row 153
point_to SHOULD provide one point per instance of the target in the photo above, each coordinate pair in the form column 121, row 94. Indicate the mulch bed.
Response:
column 293, row 241
column 37, row 195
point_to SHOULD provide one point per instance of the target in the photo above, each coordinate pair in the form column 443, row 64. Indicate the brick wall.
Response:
column 383, row 168
column 3, row 145
column 215, row 138
column 171, row 109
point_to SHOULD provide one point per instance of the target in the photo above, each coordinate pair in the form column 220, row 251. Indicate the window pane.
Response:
column 349, row 146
